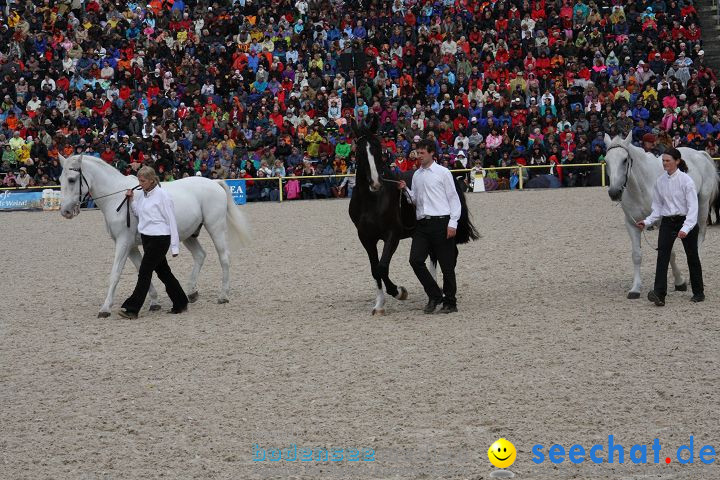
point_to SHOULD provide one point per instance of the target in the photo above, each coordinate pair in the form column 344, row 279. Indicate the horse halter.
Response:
column 380, row 173
column 629, row 164
column 82, row 198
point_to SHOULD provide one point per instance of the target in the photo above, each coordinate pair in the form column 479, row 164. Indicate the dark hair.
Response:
column 427, row 144
column 676, row 155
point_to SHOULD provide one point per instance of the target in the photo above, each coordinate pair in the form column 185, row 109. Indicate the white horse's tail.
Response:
column 238, row 227
column 715, row 191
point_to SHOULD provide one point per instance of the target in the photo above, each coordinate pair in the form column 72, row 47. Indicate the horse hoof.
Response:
column 378, row 311
column 633, row 295
column 223, row 300
column 103, row 315
column 403, row 295
column 154, row 308
column 681, row 288
column 192, row 298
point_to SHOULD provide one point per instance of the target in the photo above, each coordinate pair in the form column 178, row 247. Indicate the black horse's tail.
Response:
column 466, row 230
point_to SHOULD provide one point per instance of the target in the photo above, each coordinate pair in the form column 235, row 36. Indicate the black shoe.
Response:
column 447, row 309
column 125, row 314
column 178, row 310
column 432, row 305
column 700, row 297
column 656, row 299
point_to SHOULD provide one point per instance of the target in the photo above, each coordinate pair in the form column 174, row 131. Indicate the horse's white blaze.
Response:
column 373, row 170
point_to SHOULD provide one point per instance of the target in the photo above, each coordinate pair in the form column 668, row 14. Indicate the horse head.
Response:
column 618, row 160
column 71, row 189
column 370, row 163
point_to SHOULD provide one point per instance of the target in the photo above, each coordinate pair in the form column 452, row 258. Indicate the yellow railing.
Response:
column 519, row 169
column 31, row 188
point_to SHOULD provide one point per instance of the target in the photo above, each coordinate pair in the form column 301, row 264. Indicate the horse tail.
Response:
column 715, row 190
column 238, row 228
column 466, row 230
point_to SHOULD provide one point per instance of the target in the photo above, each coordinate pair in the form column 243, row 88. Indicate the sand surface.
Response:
column 545, row 349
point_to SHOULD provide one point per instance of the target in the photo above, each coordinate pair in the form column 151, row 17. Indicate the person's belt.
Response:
column 675, row 218
column 435, row 217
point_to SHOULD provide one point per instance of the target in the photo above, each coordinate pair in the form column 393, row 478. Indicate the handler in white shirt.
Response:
column 158, row 230
column 437, row 206
column 675, row 200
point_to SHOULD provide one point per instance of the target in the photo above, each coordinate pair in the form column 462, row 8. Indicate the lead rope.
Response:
column 404, row 192
column 125, row 200
column 644, row 231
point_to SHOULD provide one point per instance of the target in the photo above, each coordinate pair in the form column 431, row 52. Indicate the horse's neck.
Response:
column 641, row 180
column 105, row 180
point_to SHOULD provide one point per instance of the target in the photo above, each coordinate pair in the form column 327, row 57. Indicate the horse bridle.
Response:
column 380, row 175
column 629, row 163
column 82, row 198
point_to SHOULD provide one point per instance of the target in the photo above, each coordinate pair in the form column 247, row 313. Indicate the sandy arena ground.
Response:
column 546, row 349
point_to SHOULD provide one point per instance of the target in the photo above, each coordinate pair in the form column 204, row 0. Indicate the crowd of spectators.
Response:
column 267, row 88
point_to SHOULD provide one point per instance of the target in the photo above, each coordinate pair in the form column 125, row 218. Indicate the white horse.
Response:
column 198, row 201
column 633, row 173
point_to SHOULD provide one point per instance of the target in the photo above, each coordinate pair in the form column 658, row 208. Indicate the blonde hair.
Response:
column 148, row 173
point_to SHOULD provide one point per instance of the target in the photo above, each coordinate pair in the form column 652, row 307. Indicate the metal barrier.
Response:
column 280, row 180
column 519, row 169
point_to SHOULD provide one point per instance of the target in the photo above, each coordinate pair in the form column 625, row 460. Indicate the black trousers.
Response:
column 155, row 248
column 669, row 228
column 431, row 237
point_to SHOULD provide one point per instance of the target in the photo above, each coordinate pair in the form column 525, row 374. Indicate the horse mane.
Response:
column 73, row 161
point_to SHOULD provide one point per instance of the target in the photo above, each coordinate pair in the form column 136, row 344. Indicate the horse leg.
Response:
column 198, row 254
column 136, row 259
column 635, row 233
column 680, row 283
column 219, row 238
column 122, row 249
column 432, row 265
column 389, row 247
column 371, row 249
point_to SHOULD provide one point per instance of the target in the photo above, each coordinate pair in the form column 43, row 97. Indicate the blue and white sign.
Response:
column 237, row 188
column 21, row 200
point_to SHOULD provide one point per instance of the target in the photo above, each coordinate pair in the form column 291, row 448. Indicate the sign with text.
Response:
column 237, row 188
column 21, row 200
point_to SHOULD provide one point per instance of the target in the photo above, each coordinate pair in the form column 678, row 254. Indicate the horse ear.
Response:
column 628, row 139
column 354, row 128
column 61, row 159
column 608, row 140
column 373, row 124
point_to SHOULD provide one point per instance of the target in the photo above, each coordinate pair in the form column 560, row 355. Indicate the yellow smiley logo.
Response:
column 502, row 453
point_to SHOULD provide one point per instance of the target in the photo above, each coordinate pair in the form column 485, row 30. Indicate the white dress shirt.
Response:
column 675, row 195
column 156, row 215
column 434, row 193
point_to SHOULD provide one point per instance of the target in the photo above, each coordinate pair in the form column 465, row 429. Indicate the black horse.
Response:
column 380, row 211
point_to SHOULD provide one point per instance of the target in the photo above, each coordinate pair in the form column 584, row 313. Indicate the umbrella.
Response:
column 543, row 181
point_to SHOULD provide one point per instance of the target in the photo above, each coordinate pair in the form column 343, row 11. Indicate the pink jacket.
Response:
column 292, row 190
